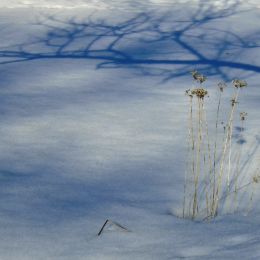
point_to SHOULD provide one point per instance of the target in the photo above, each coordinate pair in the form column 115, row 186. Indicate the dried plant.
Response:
column 198, row 77
column 209, row 181
column 227, row 148
column 196, row 141
column 239, row 83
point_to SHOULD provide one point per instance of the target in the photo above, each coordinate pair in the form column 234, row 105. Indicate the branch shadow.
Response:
column 164, row 45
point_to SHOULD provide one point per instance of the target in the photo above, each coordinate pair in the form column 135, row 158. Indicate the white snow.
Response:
column 94, row 126
column 105, row 4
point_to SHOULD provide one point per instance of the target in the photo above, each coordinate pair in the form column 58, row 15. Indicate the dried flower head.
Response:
column 221, row 86
column 188, row 93
column 199, row 92
column 198, row 77
column 233, row 102
column 239, row 83
column 256, row 178
column 243, row 116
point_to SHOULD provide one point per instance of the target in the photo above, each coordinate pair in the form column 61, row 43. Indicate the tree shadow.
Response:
column 165, row 45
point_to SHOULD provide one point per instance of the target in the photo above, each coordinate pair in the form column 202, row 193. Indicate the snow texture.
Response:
column 94, row 126
column 105, row 4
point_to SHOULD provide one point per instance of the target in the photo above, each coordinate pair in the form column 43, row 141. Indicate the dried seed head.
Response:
column 243, row 116
column 221, row 86
column 239, row 83
column 198, row 77
column 188, row 93
column 256, row 178
column 233, row 102
column 199, row 92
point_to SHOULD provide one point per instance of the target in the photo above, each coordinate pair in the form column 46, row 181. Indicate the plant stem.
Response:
column 198, row 156
column 191, row 154
column 215, row 151
column 224, row 151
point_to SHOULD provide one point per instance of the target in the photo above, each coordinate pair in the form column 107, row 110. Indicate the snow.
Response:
column 76, row 3
column 105, row 4
column 67, row 4
column 96, row 134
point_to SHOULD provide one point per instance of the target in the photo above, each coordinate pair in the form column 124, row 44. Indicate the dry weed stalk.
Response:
column 238, row 84
column 221, row 86
column 208, row 188
column 191, row 157
column 243, row 116
column 196, row 145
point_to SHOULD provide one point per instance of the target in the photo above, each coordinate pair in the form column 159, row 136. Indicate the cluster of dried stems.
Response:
column 210, row 180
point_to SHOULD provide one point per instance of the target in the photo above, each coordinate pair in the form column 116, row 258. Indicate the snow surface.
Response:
column 105, row 4
column 93, row 126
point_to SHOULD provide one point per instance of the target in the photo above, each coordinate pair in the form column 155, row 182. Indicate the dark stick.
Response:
column 101, row 230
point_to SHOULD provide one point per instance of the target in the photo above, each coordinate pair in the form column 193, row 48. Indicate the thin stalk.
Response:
column 198, row 156
column 224, row 151
column 215, row 150
column 250, row 204
column 102, row 228
column 184, row 195
column 191, row 154
column 230, row 153
column 227, row 195
column 237, row 172
column 208, row 175
column 256, row 179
